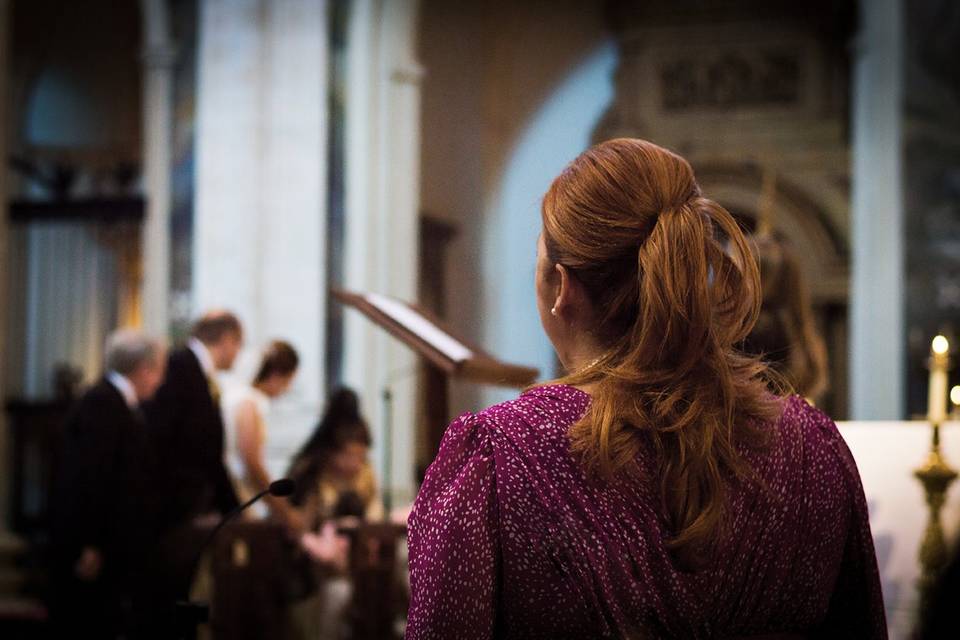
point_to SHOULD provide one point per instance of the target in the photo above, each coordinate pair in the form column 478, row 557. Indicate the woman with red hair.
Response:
column 659, row 489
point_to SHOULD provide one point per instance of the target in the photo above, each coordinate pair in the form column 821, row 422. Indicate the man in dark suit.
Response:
column 186, row 425
column 101, row 504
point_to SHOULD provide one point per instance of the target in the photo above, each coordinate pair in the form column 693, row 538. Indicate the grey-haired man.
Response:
column 102, row 513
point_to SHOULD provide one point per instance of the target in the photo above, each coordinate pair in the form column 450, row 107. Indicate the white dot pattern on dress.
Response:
column 510, row 539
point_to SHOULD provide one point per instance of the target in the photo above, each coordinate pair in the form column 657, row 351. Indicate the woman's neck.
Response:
column 583, row 355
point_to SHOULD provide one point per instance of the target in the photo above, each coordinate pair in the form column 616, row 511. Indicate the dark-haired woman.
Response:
column 658, row 489
column 335, row 484
column 244, row 412
column 333, row 475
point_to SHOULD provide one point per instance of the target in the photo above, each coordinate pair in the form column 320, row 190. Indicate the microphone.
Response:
column 282, row 488
column 278, row 488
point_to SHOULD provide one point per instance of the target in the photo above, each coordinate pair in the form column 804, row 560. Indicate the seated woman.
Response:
column 333, row 476
column 246, row 430
column 658, row 489
column 335, row 488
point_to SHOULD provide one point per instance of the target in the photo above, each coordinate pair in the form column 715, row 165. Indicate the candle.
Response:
column 937, row 393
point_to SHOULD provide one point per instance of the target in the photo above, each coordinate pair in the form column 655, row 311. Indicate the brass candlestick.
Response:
column 936, row 476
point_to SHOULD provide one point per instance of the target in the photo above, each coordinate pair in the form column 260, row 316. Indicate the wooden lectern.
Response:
column 445, row 355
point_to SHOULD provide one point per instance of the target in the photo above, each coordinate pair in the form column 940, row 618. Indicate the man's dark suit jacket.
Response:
column 102, row 493
column 186, row 425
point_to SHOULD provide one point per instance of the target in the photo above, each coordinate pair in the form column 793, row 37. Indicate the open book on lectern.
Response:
column 426, row 335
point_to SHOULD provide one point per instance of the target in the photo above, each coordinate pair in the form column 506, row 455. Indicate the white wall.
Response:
column 553, row 136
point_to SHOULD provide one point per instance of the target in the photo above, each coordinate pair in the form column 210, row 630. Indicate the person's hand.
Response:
column 88, row 564
column 327, row 547
column 344, row 523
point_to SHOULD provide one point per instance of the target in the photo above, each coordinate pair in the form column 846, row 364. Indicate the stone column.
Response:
column 228, row 139
column 876, row 332
column 293, row 213
column 158, row 61
column 5, row 126
column 260, row 218
column 382, row 222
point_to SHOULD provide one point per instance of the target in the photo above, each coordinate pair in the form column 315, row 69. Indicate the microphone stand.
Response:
column 233, row 513
column 387, row 451
column 387, row 397
column 189, row 614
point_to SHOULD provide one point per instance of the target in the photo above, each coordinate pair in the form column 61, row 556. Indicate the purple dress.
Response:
column 509, row 539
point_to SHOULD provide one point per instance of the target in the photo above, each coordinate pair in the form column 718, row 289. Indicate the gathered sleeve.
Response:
column 453, row 539
column 856, row 606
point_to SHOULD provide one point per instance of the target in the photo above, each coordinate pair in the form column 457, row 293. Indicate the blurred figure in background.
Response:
column 186, row 421
column 786, row 334
column 335, row 489
column 102, row 511
column 186, row 428
column 245, row 409
column 334, row 478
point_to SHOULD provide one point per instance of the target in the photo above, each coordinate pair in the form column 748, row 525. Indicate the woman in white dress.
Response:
column 245, row 410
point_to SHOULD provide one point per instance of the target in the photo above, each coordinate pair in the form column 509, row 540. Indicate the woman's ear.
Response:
column 562, row 291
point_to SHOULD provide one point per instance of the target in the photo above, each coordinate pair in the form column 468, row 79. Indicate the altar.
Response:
column 887, row 454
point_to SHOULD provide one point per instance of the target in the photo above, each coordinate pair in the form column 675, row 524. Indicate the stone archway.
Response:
column 796, row 214
column 804, row 219
column 744, row 89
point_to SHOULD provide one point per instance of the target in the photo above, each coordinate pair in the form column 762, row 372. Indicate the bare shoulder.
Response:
column 247, row 414
column 246, row 406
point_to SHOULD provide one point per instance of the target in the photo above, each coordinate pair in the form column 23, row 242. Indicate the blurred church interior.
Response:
column 166, row 157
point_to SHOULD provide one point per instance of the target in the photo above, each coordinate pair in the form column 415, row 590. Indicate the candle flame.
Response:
column 940, row 345
column 955, row 395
